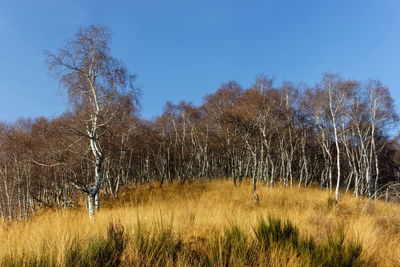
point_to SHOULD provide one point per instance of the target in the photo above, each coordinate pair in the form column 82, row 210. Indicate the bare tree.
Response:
column 95, row 83
column 336, row 97
column 381, row 112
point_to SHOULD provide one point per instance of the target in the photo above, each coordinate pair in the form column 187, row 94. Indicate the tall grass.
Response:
column 210, row 224
column 101, row 251
column 156, row 248
column 331, row 252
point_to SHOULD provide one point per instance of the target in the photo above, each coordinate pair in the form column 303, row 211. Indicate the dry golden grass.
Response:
column 197, row 209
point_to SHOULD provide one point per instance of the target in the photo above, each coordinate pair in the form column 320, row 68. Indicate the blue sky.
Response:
column 183, row 50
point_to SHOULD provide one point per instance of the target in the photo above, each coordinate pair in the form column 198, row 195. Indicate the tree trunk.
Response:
column 91, row 206
column 97, row 201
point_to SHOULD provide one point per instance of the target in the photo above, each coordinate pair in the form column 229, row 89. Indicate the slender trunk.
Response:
column 333, row 114
column 118, row 183
column 86, row 202
column 356, row 184
column 1, row 211
column 91, row 206
column 19, row 203
column 349, row 181
column 338, row 169
column 375, row 156
column 97, row 201
column 306, row 178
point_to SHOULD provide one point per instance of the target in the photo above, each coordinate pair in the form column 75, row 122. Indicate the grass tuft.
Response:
column 101, row 251
column 43, row 260
column 156, row 248
column 333, row 251
column 276, row 233
column 286, row 237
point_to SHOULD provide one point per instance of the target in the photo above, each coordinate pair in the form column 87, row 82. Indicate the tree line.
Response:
column 335, row 134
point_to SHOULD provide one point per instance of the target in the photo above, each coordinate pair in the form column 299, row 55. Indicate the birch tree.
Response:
column 381, row 112
column 335, row 97
column 95, row 83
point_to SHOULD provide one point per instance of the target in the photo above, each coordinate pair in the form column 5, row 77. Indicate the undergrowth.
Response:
column 100, row 251
column 273, row 242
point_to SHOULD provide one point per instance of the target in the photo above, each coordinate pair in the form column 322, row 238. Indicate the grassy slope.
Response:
column 198, row 209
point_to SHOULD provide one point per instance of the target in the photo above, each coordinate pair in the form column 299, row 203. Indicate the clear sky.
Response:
column 185, row 49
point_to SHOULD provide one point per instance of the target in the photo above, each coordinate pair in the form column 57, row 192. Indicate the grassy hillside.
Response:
column 211, row 223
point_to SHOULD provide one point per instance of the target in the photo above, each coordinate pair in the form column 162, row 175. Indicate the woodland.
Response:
column 336, row 135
